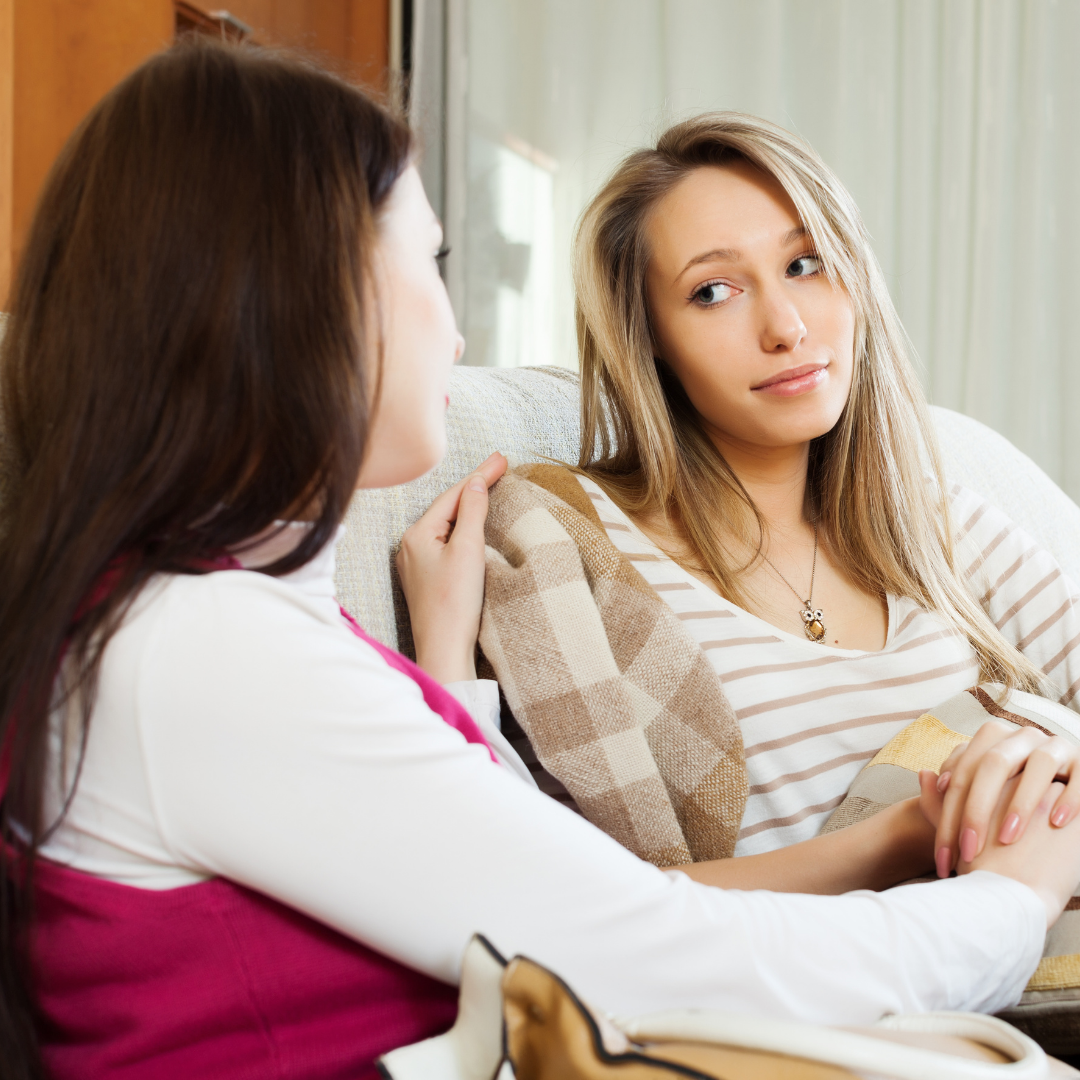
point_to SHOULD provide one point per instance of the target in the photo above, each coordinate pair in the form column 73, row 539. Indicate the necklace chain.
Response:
column 813, row 569
column 813, row 624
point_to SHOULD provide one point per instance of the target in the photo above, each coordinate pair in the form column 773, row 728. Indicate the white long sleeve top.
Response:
column 241, row 729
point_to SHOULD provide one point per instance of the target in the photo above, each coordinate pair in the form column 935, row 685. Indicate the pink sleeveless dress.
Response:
column 217, row 981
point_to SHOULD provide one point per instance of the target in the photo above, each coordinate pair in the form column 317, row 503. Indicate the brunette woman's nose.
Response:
column 782, row 329
column 459, row 348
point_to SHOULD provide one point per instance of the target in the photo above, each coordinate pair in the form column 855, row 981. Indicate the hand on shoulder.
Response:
column 441, row 564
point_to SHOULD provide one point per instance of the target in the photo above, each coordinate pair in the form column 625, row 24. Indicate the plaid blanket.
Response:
column 616, row 698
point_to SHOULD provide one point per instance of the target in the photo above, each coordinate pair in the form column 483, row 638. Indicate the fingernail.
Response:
column 969, row 843
column 943, row 861
column 1010, row 827
column 943, row 782
column 1061, row 815
column 477, row 484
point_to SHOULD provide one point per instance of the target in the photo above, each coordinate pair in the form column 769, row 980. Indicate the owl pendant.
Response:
column 812, row 623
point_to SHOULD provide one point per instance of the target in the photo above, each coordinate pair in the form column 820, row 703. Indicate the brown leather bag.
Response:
column 519, row 1020
column 551, row 1035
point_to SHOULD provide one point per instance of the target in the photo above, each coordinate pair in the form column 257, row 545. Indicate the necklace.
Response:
column 813, row 618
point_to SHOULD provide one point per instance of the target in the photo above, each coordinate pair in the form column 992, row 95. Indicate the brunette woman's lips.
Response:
column 794, row 381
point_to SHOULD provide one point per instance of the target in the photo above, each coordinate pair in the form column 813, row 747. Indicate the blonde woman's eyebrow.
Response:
column 733, row 254
column 716, row 255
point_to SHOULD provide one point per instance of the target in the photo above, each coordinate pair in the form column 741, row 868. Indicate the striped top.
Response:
column 812, row 715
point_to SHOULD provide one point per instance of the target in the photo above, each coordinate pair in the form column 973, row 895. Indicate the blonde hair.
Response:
column 643, row 441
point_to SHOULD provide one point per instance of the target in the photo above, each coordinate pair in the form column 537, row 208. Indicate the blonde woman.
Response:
column 769, row 467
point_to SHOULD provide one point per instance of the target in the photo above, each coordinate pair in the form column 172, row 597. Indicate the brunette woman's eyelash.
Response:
column 442, row 252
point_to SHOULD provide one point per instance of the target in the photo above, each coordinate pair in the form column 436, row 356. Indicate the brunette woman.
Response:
column 240, row 838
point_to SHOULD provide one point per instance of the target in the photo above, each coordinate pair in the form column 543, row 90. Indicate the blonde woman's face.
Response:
column 741, row 312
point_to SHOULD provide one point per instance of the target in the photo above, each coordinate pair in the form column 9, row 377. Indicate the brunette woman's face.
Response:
column 408, row 430
column 741, row 312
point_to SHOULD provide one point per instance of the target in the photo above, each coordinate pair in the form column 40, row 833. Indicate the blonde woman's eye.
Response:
column 804, row 266
column 712, row 293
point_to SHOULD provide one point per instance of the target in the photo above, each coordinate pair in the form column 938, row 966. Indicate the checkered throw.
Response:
column 616, row 698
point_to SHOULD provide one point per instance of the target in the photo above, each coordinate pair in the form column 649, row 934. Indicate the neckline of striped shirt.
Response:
column 901, row 610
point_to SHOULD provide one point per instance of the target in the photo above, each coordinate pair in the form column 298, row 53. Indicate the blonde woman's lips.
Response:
column 794, row 381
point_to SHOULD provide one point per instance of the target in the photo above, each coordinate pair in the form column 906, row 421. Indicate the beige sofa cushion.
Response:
column 981, row 459
column 526, row 413
column 530, row 413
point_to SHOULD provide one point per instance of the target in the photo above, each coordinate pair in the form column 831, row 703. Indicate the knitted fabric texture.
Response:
column 618, row 701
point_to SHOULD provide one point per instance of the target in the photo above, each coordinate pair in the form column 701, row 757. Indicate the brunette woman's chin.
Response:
column 387, row 467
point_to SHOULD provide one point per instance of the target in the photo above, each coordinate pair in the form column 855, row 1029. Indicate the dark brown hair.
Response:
column 184, row 365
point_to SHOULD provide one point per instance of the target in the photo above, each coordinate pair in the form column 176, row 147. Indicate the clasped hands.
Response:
column 1003, row 802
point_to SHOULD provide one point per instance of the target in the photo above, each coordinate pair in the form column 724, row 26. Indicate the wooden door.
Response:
column 58, row 57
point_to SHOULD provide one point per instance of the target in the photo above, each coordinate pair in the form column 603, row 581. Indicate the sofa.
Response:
column 532, row 413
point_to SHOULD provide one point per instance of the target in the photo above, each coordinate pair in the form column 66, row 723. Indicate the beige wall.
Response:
column 58, row 57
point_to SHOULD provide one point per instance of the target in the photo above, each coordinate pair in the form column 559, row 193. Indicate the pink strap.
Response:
column 439, row 700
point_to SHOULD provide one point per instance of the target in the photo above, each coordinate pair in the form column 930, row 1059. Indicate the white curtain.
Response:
column 954, row 123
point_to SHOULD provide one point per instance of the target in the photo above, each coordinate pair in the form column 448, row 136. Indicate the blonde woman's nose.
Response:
column 782, row 328
column 459, row 349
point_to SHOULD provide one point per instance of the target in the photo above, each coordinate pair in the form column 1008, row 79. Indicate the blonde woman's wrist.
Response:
column 906, row 842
